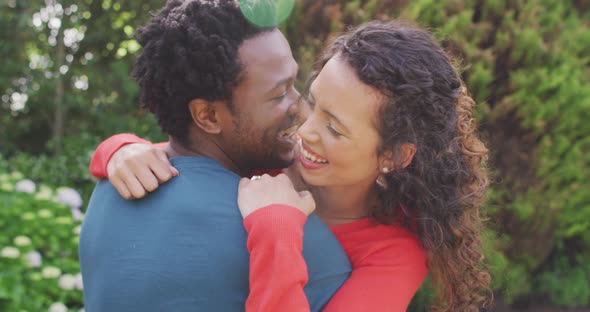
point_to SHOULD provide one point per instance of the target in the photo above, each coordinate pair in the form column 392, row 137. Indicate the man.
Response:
column 223, row 91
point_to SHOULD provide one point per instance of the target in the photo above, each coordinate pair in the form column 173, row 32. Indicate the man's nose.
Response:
column 294, row 109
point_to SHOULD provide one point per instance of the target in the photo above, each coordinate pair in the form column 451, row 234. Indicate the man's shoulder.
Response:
column 203, row 168
column 201, row 181
column 201, row 178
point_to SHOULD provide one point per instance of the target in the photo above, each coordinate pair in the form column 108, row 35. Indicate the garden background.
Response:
column 65, row 86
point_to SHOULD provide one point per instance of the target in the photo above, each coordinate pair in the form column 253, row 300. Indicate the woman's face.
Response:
column 339, row 141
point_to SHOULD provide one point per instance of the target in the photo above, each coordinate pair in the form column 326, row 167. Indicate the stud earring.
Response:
column 385, row 170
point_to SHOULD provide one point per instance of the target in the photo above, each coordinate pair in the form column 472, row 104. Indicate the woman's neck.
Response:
column 343, row 204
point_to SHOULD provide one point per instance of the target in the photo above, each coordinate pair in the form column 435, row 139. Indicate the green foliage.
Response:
column 562, row 273
column 60, row 55
column 531, row 72
column 37, row 224
column 525, row 62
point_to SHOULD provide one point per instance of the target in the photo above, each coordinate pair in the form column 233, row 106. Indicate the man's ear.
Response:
column 205, row 115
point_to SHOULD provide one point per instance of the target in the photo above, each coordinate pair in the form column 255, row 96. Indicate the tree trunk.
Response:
column 59, row 117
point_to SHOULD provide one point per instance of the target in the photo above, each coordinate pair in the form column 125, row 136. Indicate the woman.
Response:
column 392, row 159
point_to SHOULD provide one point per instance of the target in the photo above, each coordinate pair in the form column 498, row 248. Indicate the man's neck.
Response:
column 344, row 204
column 204, row 148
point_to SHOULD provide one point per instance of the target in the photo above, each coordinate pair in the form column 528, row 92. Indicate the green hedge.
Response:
column 39, row 268
column 526, row 63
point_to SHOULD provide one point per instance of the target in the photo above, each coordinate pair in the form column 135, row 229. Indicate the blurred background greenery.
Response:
column 65, row 86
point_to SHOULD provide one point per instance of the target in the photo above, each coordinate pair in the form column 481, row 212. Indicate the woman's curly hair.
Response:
column 190, row 50
column 439, row 195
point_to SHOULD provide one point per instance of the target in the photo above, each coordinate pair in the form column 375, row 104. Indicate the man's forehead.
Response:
column 267, row 51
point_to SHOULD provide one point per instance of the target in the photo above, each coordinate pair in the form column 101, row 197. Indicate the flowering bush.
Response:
column 39, row 268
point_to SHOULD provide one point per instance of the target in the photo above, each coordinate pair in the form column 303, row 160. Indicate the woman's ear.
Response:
column 407, row 152
column 386, row 163
column 390, row 161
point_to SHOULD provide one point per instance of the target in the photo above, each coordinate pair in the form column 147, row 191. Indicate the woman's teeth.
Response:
column 311, row 157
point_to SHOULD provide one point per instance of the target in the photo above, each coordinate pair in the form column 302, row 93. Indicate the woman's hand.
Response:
column 262, row 191
column 136, row 169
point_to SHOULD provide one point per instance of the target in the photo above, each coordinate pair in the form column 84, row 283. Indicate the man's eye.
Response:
column 278, row 98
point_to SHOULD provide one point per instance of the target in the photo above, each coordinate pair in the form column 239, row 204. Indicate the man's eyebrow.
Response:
column 282, row 82
column 311, row 99
column 288, row 80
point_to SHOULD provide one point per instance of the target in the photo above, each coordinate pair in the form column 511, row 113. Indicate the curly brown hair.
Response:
column 439, row 195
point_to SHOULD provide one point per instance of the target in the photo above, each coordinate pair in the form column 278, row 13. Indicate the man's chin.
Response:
column 288, row 159
column 285, row 156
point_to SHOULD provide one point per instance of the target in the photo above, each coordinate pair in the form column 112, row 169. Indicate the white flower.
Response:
column 34, row 259
column 28, row 216
column 79, row 282
column 22, row 240
column 77, row 215
column 9, row 252
column 44, row 192
column 50, row 272
column 6, row 186
column 44, row 213
column 70, row 197
column 77, row 230
column 25, row 186
column 58, row 307
column 67, row 282
column 16, row 175
column 35, row 276
column 63, row 220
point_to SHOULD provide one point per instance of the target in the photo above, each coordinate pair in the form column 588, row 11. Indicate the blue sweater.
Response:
column 183, row 247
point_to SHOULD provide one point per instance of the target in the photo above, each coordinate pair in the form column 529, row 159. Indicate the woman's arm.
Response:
column 387, row 281
column 384, row 279
column 274, row 216
column 278, row 271
column 133, row 165
column 106, row 149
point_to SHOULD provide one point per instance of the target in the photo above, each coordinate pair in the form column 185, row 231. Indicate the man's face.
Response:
column 265, row 110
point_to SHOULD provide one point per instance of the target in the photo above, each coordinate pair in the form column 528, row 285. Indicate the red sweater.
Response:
column 388, row 262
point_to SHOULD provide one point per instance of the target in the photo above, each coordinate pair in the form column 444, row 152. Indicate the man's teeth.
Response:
column 311, row 157
column 289, row 132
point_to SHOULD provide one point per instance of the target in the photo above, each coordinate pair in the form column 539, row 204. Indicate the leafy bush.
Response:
column 525, row 62
column 39, row 268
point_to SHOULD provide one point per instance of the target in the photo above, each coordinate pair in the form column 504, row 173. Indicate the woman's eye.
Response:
column 333, row 131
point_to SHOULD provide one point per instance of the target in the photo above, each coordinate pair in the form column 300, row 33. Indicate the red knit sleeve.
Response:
column 278, row 271
column 106, row 149
column 385, row 281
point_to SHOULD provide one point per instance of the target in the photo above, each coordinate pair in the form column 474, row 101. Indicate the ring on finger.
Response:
column 256, row 177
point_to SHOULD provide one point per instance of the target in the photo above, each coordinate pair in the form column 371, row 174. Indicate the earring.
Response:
column 382, row 182
column 385, row 170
